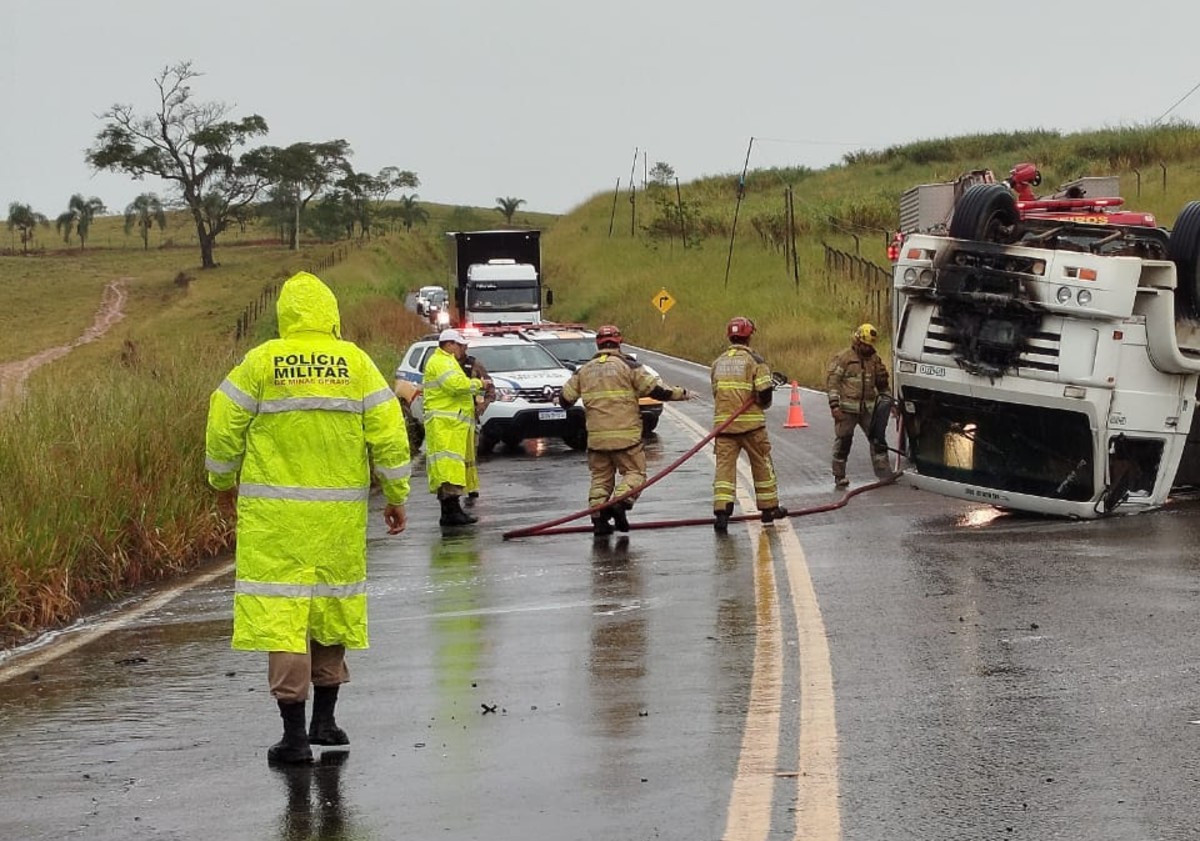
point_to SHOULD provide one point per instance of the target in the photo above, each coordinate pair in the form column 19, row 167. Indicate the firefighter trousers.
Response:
column 758, row 447
column 843, row 440
column 606, row 465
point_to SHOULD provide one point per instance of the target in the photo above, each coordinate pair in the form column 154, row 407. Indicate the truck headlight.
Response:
column 1084, row 297
column 1063, row 294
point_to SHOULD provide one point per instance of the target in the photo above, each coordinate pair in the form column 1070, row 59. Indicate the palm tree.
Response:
column 23, row 218
column 79, row 215
column 508, row 206
column 410, row 212
column 145, row 212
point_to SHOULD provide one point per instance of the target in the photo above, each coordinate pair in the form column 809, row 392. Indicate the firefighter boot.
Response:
column 293, row 748
column 453, row 514
column 776, row 513
column 601, row 527
column 617, row 512
column 881, row 465
column 839, row 474
column 721, row 519
column 324, row 730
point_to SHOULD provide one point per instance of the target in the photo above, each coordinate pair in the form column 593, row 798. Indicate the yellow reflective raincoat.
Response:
column 449, row 396
column 298, row 426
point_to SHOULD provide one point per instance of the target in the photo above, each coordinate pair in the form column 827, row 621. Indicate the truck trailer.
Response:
column 497, row 277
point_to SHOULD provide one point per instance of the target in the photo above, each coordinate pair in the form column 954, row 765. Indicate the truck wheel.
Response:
column 1184, row 249
column 986, row 212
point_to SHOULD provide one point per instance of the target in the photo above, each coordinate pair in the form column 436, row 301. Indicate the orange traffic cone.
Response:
column 795, row 418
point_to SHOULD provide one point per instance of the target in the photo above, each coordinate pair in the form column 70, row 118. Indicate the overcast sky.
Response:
column 547, row 100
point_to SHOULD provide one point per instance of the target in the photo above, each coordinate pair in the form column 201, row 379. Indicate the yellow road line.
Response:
column 749, row 813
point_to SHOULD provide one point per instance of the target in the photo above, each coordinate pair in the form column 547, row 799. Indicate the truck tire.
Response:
column 986, row 212
column 1183, row 248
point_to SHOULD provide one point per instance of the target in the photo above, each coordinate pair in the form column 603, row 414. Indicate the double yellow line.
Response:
column 815, row 768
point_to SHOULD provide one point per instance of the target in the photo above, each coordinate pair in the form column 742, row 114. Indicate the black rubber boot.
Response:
column 720, row 522
column 776, row 513
column 324, row 730
column 293, row 748
column 617, row 512
column 601, row 527
column 453, row 514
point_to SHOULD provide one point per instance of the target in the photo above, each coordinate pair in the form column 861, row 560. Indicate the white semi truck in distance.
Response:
column 496, row 277
column 1047, row 351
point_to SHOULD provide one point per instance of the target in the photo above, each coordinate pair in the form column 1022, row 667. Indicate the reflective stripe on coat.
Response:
column 853, row 382
column 298, row 426
column 737, row 374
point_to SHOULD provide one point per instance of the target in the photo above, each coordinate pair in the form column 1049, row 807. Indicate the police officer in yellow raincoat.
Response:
column 739, row 374
column 295, row 432
column 610, row 384
column 449, row 396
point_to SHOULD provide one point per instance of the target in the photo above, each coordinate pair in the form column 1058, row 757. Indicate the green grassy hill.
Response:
column 104, row 487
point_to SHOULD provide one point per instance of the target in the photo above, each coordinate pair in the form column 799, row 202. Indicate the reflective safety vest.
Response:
column 737, row 374
column 298, row 426
column 610, row 384
column 449, row 417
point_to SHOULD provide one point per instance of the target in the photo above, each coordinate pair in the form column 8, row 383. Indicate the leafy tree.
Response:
column 363, row 195
column 662, row 173
column 192, row 145
column 78, row 217
column 23, row 218
column 145, row 212
column 508, row 207
column 300, row 172
column 410, row 212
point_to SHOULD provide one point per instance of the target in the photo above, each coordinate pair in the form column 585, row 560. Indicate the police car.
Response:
column 574, row 345
column 528, row 381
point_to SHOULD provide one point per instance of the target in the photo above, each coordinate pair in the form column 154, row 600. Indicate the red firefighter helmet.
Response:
column 739, row 326
column 608, row 334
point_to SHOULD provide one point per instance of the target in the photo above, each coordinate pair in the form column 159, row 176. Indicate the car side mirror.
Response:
column 549, row 297
column 631, row 356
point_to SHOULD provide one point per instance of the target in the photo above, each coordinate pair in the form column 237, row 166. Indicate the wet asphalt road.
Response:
column 989, row 677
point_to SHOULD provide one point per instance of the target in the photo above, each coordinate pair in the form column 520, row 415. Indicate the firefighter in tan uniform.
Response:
column 739, row 374
column 610, row 384
column 857, row 378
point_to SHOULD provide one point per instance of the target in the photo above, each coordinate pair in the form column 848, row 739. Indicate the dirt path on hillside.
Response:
column 112, row 310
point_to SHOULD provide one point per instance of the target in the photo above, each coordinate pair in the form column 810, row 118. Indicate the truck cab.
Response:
column 1047, row 360
column 503, row 291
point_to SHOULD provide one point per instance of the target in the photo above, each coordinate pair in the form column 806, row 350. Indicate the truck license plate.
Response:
column 552, row 414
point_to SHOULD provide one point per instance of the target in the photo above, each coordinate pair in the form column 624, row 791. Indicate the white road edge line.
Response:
column 817, row 792
column 28, row 662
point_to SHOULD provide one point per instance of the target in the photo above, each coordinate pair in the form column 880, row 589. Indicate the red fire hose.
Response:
column 548, row 527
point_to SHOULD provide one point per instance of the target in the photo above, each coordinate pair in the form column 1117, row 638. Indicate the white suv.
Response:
column 528, row 380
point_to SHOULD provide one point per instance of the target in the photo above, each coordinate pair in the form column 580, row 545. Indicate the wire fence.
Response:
column 860, row 284
column 258, row 306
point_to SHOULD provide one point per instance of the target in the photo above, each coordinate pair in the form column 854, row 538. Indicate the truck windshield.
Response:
column 1006, row 446
column 507, row 297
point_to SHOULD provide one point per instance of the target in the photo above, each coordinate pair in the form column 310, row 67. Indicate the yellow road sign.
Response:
column 662, row 301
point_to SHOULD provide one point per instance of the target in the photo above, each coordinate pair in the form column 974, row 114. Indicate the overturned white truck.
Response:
column 1047, row 351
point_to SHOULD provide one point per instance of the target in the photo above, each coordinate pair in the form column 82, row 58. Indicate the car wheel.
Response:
column 485, row 444
column 576, row 439
column 986, row 212
column 415, row 429
column 512, row 442
column 1184, row 249
column 649, row 424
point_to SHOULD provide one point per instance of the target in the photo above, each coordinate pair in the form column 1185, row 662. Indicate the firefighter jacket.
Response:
column 610, row 384
column 854, row 381
column 738, row 374
column 449, row 418
column 298, row 426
